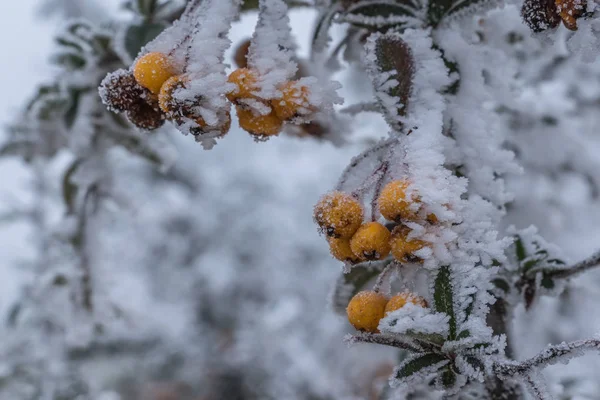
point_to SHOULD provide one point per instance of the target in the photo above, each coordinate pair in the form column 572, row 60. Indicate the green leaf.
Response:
column 448, row 378
column 475, row 363
column 415, row 364
column 437, row 9
column 501, row 284
column 71, row 113
column 547, row 281
column 137, row 36
column 320, row 36
column 463, row 334
column 520, row 249
column 349, row 284
column 393, row 56
column 443, row 298
column 69, row 61
column 430, row 338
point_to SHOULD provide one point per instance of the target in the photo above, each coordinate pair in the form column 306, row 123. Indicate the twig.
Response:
column 537, row 388
column 382, row 171
column 550, row 355
column 383, row 339
column 589, row 263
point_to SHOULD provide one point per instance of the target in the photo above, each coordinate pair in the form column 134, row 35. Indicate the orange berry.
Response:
column 432, row 218
column 340, row 249
column 259, row 125
column 152, row 70
column 402, row 247
column 165, row 97
column 366, row 309
column 371, row 242
column 398, row 301
column 294, row 98
column 394, row 205
column 338, row 214
column 246, row 83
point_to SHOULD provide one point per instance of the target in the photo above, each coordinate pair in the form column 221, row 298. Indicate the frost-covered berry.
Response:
column 403, row 248
column 401, row 299
column 260, row 126
column 120, row 91
column 366, row 309
column 153, row 69
column 241, row 54
column 166, row 101
column 371, row 242
column 245, row 81
column 145, row 117
column 294, row 101
column 570, row 11
column 338, row 214
column 340, row 249
column 394, row 204
column 540, row 15
column 202, row 127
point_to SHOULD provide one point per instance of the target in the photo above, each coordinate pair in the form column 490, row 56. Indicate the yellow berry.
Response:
column 246, row 83
column 393, row 203
column 398, row 301
column 339, row 215
column 293, row 98
column 259, row 125
column 365, row 310
column 165, row 97
column 402, row 247
column 152, row 70
column 371, row 242
column 340, row 249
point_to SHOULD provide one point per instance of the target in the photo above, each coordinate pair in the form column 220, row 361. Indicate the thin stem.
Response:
column 382, row 276
column 360, row 158
column 550, row 355
column 382, row 171
column 361, row 107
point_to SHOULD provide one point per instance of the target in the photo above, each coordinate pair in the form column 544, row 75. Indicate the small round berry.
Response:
column 246, row 83
column 340, row 249
column 153, row 69
column 402, row 248
column 393, row 203
column 120, row 91
column 241, row 54
column 371, row 242
column 261, row 126
column 540, row 15
column 166, row 101
column 293, row 102
column 401, row 299
column 366, row 309
column 338, row 214
column 223, row 126
column 145, row 117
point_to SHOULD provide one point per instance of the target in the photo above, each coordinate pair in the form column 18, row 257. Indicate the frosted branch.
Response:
column 537, row 388
column 589, row 263
column 382, row 276
column 383, row 339
column 551, row 355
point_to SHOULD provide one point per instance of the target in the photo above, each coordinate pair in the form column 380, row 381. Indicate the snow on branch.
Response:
column 589, row 263
column 383, row 339
column 562, row 352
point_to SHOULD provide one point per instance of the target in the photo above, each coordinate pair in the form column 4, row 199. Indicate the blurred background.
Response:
column 200, row 274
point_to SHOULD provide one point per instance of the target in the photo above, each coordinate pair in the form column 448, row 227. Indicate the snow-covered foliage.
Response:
column 477, row 142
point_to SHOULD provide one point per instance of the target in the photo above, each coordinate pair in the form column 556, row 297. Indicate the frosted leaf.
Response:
column 417, row 368
column 415, row 319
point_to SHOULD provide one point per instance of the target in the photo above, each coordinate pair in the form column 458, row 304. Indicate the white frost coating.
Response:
column 272, row 48
column 416, row 319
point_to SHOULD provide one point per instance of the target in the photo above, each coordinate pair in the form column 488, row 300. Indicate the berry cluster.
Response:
column 368, row 307
column 263, row 117
column 341, row 217
column 149, row 93
column 545, row 14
